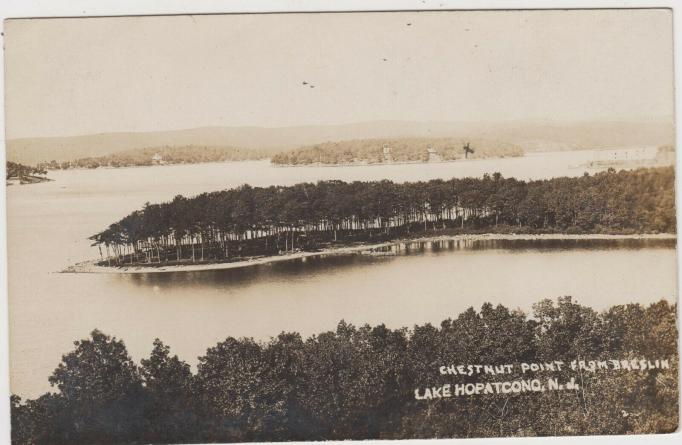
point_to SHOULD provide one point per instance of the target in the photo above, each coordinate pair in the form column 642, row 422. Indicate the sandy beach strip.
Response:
column 92, row 267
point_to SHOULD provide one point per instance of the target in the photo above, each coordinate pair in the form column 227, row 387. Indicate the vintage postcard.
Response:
column 330, row 226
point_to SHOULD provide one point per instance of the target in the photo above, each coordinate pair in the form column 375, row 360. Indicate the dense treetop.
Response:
column 359, row 382
column 266, row 220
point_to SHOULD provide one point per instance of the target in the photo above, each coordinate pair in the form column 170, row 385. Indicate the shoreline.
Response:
column 373, row 164
column 27, row 180
column 92, row 267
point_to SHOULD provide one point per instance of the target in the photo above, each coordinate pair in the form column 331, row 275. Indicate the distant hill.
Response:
column 530, row 136
column 387, row 150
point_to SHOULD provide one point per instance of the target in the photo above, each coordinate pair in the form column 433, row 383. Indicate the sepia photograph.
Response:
column 350, row 225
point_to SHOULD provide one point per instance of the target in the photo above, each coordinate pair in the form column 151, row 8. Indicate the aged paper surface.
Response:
column 369, row 225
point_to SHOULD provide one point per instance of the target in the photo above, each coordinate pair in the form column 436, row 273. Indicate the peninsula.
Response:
column 254, row 225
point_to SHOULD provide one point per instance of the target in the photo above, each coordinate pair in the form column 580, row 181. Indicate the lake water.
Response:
column 48, row 226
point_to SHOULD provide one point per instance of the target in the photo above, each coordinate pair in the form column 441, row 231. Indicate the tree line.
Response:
column 20, row 171
column 187, row 154
column 249, row 221
column 374, row 151
column 359, row 382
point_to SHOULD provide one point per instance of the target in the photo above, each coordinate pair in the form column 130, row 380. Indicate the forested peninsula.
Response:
column 250, row 222
column 359, row 382
column 395, row 150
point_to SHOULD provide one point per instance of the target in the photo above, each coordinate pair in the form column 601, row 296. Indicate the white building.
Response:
column 433, row 155
column 388, row 157
column 157, row 159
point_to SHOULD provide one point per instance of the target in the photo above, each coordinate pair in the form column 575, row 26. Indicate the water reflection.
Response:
column 273, row 272
column 317, row 266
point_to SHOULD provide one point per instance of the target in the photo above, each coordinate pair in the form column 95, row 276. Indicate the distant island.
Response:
column 353, row 152
column 24, row 174
column 395, row 150
column 250, row 223
column 165, row 155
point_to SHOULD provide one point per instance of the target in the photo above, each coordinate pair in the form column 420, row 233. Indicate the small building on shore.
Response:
column 433, row 155
column 157, row 159
column 388, row 157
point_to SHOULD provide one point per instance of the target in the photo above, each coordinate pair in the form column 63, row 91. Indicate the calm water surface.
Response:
column 424, row 282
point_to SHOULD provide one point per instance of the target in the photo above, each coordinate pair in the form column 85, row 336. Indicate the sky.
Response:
column 93, row 75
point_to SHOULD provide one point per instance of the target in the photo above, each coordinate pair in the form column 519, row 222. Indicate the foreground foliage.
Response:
column 358, row 383
column 248, row 221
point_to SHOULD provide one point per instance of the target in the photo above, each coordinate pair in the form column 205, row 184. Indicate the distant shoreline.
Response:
column 277, row 165
column 374, row 164
column 91, row 266
column 167, row 164
column 384, row 163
